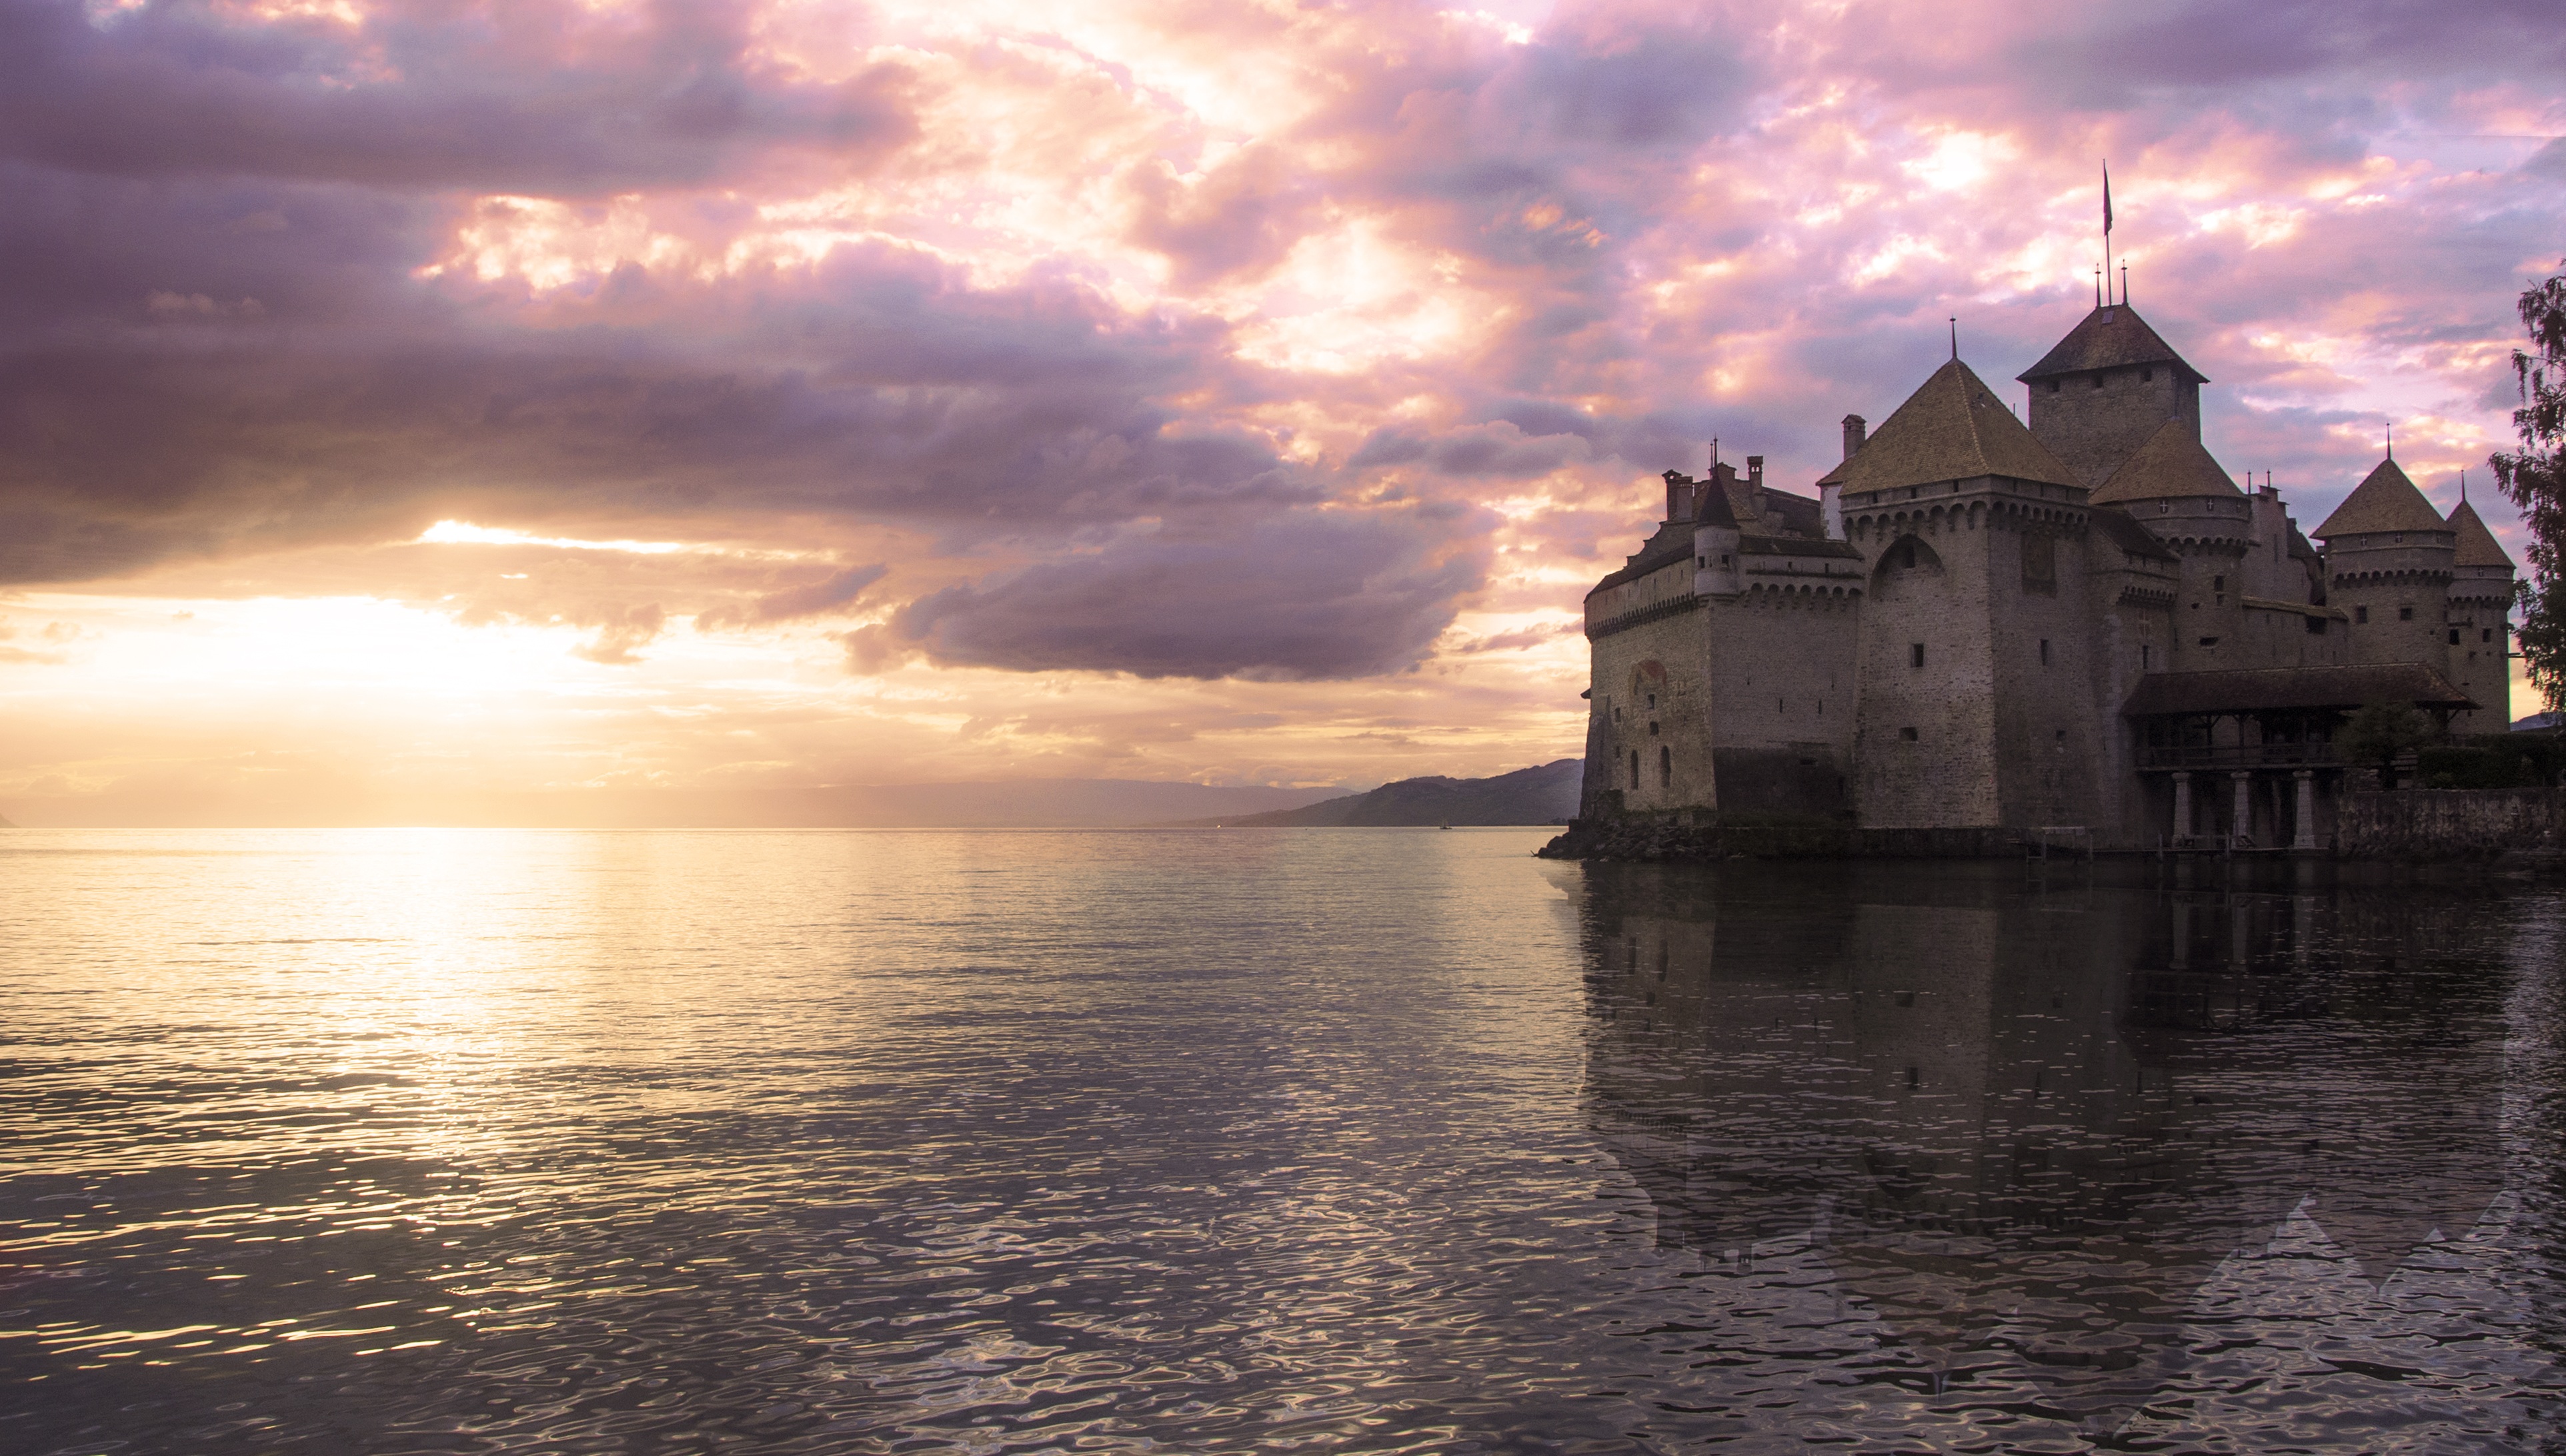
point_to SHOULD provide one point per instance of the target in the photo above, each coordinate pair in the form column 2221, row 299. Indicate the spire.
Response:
column 2476, row 544
column 2109, row 336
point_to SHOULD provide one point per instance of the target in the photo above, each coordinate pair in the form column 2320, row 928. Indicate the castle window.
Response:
column 2316, row 626
column 1653, row 728
column 2144, row 653
column 2146, row 377
column 1666, row 768
column 2399, row 538
column 2209, row 642
column 2218, row 583
column 2044, row 651
column 1915, row 654
column 2360, row 613
column 2454, row 636
column 1634, row 768
column 1907, row 735
column 2404, row 614
column 2053, row 387
column 1779, row 710
column 1652, row 703
column 2098, row 379
column 1701, row 562
column 2487, row 635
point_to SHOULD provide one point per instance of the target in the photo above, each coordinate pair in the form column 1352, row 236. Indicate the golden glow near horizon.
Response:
column 1015, row 388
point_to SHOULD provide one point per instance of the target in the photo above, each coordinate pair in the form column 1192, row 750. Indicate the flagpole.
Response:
column 2107, row 227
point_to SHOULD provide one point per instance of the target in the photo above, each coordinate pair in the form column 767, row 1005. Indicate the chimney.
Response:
column 1855, row 432
column 1755, row 472
column 1679, row 496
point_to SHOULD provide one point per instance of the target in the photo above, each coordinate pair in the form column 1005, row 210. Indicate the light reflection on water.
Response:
column 1330, row 1139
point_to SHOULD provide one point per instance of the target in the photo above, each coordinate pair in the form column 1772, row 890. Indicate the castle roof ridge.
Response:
column 1953, row 427
column 2171, row 465
column 2384, row 501
column 2111, row 337
column 2478, row 546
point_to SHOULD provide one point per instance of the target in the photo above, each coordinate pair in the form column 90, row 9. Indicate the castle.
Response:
column 1988, row 626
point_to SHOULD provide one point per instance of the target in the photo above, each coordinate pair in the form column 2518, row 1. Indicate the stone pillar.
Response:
column 2306, row 838
column 2244, row 813
column 2182, row 805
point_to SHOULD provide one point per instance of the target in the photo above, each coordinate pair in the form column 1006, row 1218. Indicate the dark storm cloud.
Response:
column 529, row 96
column 1304, row 596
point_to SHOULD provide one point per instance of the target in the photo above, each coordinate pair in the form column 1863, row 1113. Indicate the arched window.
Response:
column 1666, row 768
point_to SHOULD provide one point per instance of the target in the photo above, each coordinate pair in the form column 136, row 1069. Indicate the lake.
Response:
column 1278, row 1140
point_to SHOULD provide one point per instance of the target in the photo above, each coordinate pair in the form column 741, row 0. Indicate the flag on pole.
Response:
column 2106, row 200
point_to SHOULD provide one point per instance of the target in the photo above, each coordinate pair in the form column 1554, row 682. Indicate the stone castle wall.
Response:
column 2448, row 824
column 1783, row 721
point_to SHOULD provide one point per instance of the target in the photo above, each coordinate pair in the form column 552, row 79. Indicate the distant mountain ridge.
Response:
column 1546, row 793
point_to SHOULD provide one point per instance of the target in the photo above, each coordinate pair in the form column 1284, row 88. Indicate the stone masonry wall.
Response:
column 2448, row 824
column 1927, row 753
column 1651, row 697
column 1783, row 720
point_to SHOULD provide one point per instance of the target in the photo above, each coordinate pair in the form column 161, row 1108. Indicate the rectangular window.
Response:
column 2404, row 614
column 2209, row 642
column 2218, row 583
column 2360, row 613
column 1915, row 654
column 2316, row 626
column 2487, row 635
column 2454, row 636
column 2144, row 653
column 2044, row 651
column 1907, row 735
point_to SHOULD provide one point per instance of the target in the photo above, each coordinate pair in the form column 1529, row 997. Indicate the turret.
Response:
column 2390, row 557
column 2107, row 388
column 2480, row 622
column 2172, row 486
column 1716, row 539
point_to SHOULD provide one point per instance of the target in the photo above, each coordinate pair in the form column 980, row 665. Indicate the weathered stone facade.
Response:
column 2004, row 628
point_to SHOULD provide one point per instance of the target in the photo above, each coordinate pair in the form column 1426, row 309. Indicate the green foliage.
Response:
column 2494, row 760
column 2382, row 733
column 2534, row 478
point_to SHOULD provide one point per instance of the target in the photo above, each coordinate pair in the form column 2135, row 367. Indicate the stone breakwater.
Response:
column 2417, row 824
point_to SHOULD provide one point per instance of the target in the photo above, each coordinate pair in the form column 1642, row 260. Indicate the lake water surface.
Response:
column 1290, row 1140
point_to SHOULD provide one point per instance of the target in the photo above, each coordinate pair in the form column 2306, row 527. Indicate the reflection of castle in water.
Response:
column 2035, row 1125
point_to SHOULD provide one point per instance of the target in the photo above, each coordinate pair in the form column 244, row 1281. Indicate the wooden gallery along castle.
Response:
column 1983, row 633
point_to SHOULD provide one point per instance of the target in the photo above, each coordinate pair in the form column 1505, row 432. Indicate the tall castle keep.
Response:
column 2081, row 622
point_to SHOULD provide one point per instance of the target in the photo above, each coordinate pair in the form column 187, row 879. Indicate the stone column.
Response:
column 2306, row 838
column 2182, row 805
column 2244, row 818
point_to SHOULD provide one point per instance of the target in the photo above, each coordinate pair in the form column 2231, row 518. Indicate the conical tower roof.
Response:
column 1953, row 427
column 2478, row 546
column 2383, row 501
column 2171, row 465
column 2111, row 337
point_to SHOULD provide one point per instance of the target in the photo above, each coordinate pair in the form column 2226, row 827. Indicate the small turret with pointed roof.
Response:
column 2389, row 558
column 2106, row 389
column 2480, row 616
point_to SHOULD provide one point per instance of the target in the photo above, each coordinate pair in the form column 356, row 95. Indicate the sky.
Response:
column 423, row 398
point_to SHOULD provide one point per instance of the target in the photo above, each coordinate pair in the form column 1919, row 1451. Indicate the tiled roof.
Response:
column 2252, row 690
column 1671, row 543
column 2171, row 465
column 2109, row 337
column 1796, row 546
column 2478, row 546
column 1953, row 427
column 2383, row 501
column 2133, row 537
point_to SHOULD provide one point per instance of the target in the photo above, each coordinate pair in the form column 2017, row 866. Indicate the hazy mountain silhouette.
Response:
column 1543, row 795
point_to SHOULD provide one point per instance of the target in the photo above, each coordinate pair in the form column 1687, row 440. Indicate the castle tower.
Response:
column 2107, row 388
column 2390, row 558
column 2172, row 486
column 2480, row 618
column 1972, row 651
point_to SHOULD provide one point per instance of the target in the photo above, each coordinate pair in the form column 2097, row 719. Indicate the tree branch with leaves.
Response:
column 2534, row 479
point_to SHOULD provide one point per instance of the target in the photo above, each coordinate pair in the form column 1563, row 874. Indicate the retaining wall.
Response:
column 2448, row 824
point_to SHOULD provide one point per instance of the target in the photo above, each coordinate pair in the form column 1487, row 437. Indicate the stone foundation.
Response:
column 2448, row 824
column 1658, row 838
